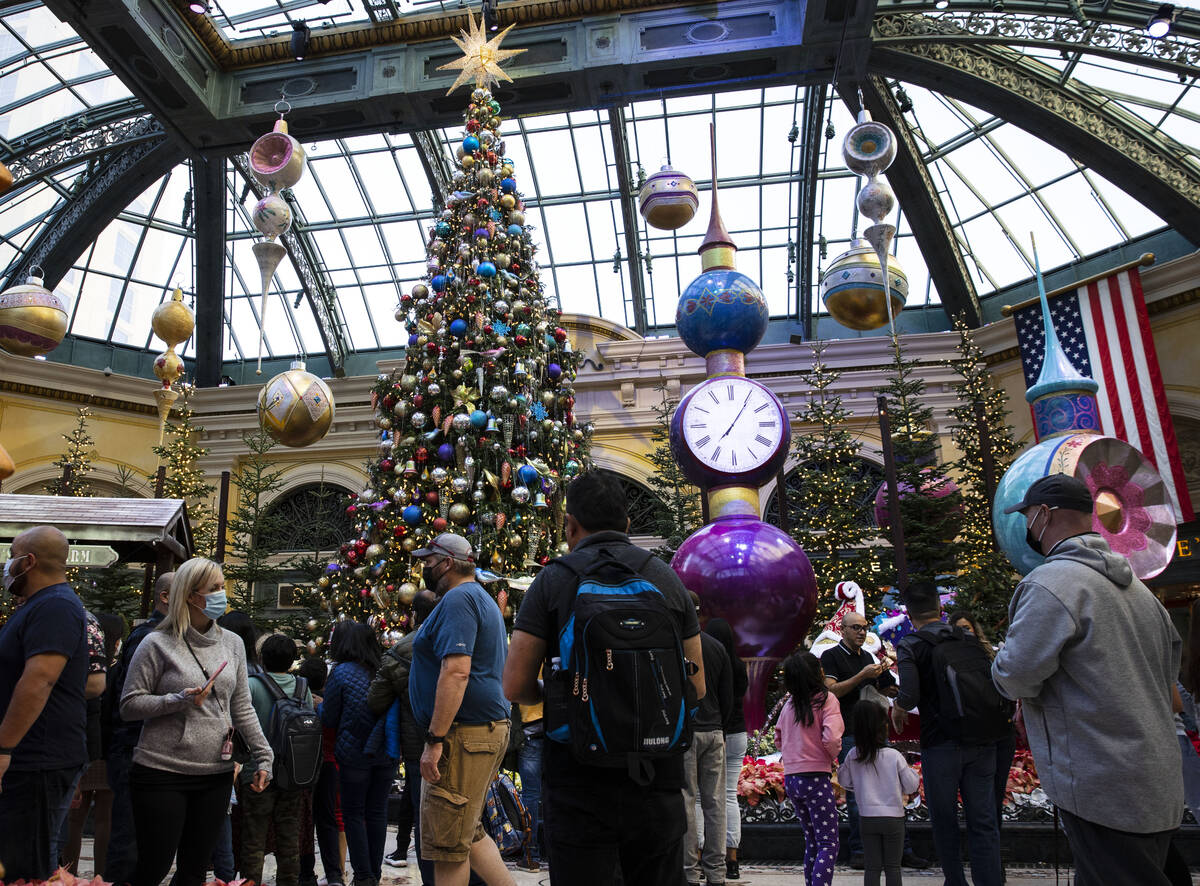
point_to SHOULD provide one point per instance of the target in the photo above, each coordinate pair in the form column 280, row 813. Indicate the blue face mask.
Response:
column 215, row 605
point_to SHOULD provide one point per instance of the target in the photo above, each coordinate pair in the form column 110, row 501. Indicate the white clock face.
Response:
column 732, row 424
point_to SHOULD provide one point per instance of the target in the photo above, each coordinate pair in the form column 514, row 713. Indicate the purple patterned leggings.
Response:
column 812, row 797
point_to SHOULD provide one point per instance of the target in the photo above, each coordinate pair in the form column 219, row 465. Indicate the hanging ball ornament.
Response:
column 296, row 407
column 459, row 514
column 272, row 216
column 406, row 593
column 852, row 288
column 33, row 320
column 277, row 159
column 173, row 321
column 520, row 494
column 462, row 422
column 721, row 309
column 668, row 200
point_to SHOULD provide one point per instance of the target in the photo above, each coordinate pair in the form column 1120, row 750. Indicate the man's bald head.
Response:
column 162, row 591
column 42, row 552
column 854, row 630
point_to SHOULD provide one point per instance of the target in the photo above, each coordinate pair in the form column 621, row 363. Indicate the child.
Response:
column 809, row 735
column 880, row 777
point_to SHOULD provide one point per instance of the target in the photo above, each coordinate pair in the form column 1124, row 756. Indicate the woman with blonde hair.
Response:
column 187, row 683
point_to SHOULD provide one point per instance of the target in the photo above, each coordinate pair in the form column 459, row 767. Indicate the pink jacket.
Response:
column 810, row 748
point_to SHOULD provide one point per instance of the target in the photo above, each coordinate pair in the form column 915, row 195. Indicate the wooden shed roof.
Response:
column 133, row 526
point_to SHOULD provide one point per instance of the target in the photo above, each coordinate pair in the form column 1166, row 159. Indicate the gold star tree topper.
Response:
column 481, row 57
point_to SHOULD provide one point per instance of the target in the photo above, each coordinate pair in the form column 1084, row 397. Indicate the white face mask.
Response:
column 10, row 577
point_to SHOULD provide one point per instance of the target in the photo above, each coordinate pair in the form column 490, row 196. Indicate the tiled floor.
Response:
column 752, row 874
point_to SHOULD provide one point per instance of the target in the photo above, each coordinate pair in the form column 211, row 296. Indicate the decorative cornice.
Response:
column 418, row 28
column 72, row 396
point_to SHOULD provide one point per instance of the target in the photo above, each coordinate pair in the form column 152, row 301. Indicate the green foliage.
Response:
column 833, row 530
column 252, row 521
column 180, row 452
column 986, row 578
column 116, row 588
column 931, row 518
column 681, row 512
column 75, row 463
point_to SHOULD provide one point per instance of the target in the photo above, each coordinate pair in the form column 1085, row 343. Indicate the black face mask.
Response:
column 1035, row 541
column 427, row 576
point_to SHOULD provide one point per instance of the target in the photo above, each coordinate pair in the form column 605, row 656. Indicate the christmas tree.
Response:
column 930, row 503
column 836, row 523
column 252, row 524
column 986, row 578
column 76, row 460
column 477, row 431
column 180, row 452
column 681, row 514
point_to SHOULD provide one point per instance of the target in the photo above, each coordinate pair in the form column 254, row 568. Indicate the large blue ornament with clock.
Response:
column 730, row 430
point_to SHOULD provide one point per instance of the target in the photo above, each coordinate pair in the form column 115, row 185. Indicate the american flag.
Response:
column 1105, row 333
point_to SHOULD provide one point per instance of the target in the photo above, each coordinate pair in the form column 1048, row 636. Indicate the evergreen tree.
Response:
column 477, row 431
column 833, row 519
column 181, row 451
column 680, row 515
column 76, row 461
column 986, row 578
column 116, row 588
column 252, row 524
column 930, row 504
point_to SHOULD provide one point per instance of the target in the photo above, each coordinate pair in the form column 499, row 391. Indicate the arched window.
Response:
column 646, row 510
column 314, row 519
column 864, row 507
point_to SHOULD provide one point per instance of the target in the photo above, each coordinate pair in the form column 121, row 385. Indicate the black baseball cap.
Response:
column 1057, row 491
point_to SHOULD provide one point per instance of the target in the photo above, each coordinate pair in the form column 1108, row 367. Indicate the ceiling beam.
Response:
column 629, row 217
column 812, row 134
column 100, row 194
column 436, row 166
column 1154, row 170
column 314, row 282
column 921, row 204
column 208, row 183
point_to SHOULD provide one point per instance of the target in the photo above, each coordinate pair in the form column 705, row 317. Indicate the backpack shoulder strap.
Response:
column 300, row 690
column 272, row 686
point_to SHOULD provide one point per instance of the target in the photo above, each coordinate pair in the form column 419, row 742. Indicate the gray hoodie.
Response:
column 1092, row 655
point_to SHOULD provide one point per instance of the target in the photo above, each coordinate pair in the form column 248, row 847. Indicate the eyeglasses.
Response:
column 862, row 628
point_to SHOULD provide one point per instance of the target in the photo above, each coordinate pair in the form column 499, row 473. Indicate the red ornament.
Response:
column 431, row 346
column 543, row 560
column 352, row 509
column 386, row 465
column 364, row 592
column 418, row 400
column 439, row 524
column 488, row 329
column 399, row 532
column 521, row 341
column 421, row 454
column 521, row 451
column 431, row 496
column 472, row 126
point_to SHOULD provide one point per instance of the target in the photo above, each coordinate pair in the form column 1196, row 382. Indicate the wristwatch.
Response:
column 7, row 752
column 430, row 738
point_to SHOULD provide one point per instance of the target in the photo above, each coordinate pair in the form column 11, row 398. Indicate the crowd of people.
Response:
column 197, row 743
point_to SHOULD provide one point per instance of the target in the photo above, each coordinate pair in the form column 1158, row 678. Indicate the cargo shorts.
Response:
column 451, row 809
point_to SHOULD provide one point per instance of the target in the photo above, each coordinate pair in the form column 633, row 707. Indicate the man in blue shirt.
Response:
column 43, row 672
column 456, row 696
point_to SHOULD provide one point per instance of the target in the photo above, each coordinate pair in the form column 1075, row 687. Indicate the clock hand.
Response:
column 736, row 417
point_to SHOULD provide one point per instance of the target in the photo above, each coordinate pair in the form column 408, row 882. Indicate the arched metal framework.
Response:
column 963, row 54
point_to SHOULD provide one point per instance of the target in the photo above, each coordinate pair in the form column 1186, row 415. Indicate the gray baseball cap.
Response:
column 448, row 545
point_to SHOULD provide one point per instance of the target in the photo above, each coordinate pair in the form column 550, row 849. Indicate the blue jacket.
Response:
column 360, row 739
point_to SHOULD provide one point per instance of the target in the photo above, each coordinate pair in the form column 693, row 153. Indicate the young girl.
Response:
column 809, row 735
column 880, row 777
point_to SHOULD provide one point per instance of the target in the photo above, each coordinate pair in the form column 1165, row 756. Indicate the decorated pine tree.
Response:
column 930, row 503
column 250, row 560
column 477, row 432
column 833, row 516
column 680, row 515
column 180, row 451
column 75, row 463
column 986, row 578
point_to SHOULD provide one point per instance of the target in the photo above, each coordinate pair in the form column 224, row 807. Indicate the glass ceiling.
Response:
column 367, row 200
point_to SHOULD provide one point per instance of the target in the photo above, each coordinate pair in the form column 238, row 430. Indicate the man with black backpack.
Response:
column 285, row 709
column 947, row 674
column 619, row 639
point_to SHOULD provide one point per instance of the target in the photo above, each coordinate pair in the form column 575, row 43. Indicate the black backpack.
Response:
column 618, row 692
column 972, row 709
column 294, row 732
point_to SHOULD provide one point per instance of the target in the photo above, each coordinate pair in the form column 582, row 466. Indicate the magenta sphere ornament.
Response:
column 938, row 488
column 758, row 579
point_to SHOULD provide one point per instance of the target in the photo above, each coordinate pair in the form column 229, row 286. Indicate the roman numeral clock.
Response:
column 730, row 435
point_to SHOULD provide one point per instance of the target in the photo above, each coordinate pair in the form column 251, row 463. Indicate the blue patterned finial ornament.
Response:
column 1063, row 400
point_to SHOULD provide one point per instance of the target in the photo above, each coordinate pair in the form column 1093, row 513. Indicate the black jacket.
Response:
column 717, row 704
column 390, row 683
